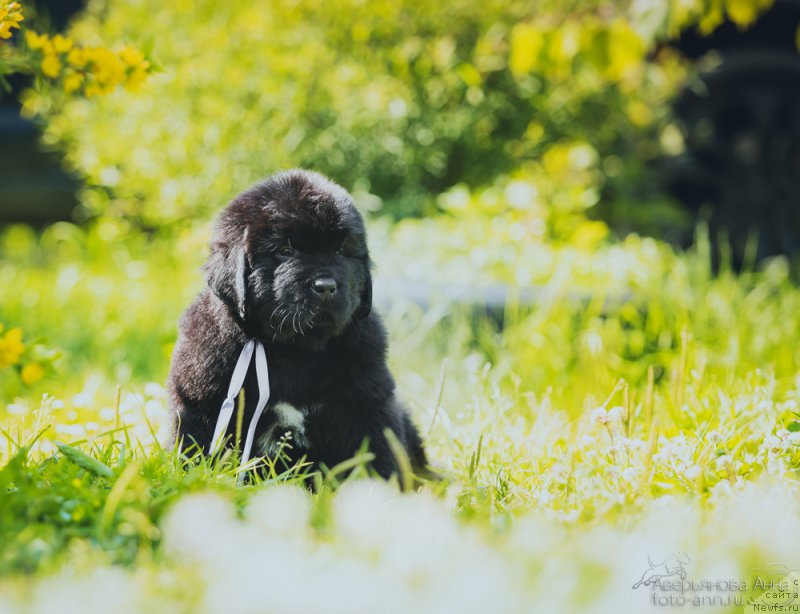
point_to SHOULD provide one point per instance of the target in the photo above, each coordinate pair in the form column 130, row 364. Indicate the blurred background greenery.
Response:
column 583, row 217
column 491, row 144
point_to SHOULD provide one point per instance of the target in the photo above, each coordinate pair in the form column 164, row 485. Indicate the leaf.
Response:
column 475, row 458
column 358, row 460
column 793, row 427
column 83, row 460
column 117, row 493
column 745, row 12
column 401, row 456
column 526, row 44
column 626, row 50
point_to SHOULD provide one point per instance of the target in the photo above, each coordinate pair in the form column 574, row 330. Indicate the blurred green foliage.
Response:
column 397, row 101
column 513, row 124
column 636, row 379
column 600, row 312
column 95, row 296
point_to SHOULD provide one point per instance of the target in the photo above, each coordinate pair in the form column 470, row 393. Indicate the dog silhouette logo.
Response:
column 673, row 566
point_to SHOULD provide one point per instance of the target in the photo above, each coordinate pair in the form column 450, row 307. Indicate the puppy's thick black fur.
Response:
column 289, row 266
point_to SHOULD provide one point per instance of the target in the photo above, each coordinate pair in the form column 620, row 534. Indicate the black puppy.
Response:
column 289, row 267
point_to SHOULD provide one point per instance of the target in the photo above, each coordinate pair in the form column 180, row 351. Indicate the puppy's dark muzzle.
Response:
column 324, row 287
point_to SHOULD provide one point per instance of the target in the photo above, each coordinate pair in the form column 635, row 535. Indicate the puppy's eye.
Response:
column 285, row 251
column 348, row 248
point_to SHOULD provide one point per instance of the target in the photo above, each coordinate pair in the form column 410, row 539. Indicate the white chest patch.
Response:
column 287, row 424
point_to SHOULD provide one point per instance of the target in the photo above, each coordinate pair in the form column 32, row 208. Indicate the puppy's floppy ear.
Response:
column 365, row 306
column 226, row 273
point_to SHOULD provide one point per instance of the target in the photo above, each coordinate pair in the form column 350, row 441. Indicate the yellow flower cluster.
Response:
column 31, row 373
column 11, row 347
column 10, row 16
column 90, row 70
column 11, row 351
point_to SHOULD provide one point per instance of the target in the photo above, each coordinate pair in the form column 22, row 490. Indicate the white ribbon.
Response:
column 237, row 381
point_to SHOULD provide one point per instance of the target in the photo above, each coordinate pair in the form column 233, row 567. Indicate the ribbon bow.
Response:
column 237, row 381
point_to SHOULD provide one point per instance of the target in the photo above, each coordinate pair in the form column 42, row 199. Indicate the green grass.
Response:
column 652, row 412
column 642, row 407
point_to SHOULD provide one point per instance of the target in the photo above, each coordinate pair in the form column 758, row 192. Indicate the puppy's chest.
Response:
column 283, row 424
column 295, row 408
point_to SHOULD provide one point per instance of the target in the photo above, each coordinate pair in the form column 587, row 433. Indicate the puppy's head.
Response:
column 289, row 258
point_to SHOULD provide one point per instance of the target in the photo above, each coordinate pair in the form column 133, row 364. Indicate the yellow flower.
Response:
column 136, row 77
column 92, row 90
column 51, row 66
column 32, row 373
column 61, row 44
column 11, row 347
column 34, row 40
column 77, row 57
column 107, row 68
column 73, row 82
column 94, row 70
column 131, row 56
column 99, row 70
column 10, row 16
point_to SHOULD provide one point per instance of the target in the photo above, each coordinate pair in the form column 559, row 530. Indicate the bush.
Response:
column 399, row 100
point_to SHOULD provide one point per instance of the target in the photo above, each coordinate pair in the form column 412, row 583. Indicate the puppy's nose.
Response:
column 325, row 287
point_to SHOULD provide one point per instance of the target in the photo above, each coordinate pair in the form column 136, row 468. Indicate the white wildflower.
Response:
column 281, row 511
column 98, row 591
